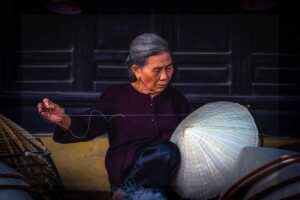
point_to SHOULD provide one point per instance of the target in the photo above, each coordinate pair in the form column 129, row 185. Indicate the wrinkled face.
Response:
column 156, row 74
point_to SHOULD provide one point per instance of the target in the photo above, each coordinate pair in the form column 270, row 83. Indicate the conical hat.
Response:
column 210, row 139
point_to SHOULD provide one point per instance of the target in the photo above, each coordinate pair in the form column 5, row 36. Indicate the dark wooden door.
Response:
column 220, row 53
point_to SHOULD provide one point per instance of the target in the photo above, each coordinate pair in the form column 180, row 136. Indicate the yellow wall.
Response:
column 81, row 165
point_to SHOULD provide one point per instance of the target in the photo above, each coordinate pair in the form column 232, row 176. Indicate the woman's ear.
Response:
column 136, row 70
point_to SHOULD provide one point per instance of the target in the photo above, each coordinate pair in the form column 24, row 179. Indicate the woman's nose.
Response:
column 163, row 75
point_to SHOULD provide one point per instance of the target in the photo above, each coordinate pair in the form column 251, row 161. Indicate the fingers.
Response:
column 48, row 103
column 40, row 107
column 42, row 110
column 45, row 107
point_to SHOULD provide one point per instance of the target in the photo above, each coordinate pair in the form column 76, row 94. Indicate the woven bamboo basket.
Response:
column 26, row 154
column 13, row 185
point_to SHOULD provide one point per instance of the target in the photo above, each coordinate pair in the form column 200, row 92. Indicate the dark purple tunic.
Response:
column 145, row 121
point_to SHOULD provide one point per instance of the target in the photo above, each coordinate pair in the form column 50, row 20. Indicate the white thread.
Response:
column 89, row 121
column 129, row 115
column 105, row 117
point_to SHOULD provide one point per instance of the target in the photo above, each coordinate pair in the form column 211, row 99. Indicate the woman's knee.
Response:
column 171, row 152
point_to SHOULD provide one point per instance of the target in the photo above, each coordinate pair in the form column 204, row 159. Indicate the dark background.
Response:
column 221, row 52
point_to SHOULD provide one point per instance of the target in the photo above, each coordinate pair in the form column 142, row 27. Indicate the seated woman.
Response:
column 139, row 118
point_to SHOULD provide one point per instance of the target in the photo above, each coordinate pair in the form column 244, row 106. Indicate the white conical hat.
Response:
column 210, row 139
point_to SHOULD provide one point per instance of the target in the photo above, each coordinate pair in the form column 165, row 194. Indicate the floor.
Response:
column 89, row 195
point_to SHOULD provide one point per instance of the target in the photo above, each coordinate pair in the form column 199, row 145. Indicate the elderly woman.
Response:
column 139, row 118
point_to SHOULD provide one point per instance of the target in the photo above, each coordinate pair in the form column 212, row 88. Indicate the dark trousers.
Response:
column 155, row 165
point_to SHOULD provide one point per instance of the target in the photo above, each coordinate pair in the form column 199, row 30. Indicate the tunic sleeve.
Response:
column 89, row 124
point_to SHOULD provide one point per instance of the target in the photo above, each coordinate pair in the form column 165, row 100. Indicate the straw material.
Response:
column 26, row 154
column 13, row 185
column 210, row 139
column 279, row 184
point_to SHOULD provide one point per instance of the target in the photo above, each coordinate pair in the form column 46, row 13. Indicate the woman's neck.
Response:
column 139, row 87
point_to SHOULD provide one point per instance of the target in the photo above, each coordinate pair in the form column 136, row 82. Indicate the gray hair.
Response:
column 143, row 46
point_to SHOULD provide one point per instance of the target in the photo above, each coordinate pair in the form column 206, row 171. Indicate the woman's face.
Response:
column 156, row 74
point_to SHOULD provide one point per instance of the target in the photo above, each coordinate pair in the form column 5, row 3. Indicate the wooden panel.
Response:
column 263, row 60
column 194, row 33
column 265, row 34
column 204, row 74
column 41, row 70
column 202, row 53
column 111, row 72
column 275, row 74
column 289, row 33
column 42, row 54
column 241, row 44
column 264, row 73
column 109, row 69
column 201, row 89
column 42, row 31
column 118, row 22
column 273, row 69
column 111, row 49
column 3, row 43
column 247, row 57
column 122, row 28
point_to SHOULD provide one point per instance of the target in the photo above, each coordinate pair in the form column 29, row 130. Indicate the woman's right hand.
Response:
column 54, row 113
